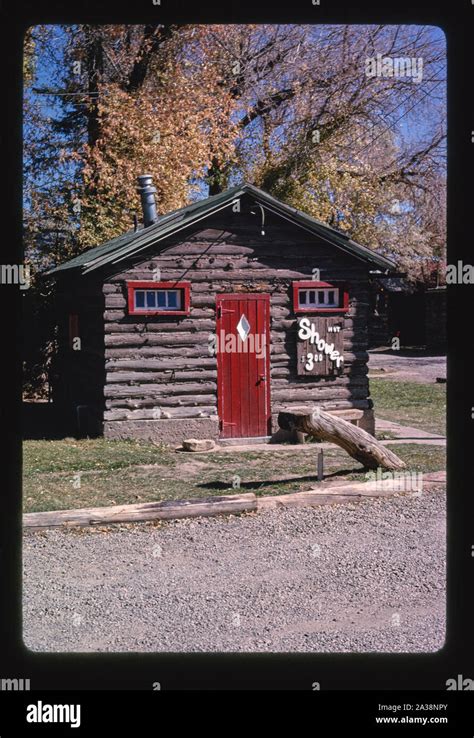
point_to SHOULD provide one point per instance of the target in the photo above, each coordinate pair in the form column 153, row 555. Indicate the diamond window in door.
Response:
column 243, row 327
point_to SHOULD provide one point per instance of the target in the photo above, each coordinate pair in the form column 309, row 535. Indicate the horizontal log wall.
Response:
column 160, row 367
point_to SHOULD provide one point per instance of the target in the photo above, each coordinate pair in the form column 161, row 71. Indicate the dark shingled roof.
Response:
column 129, row 243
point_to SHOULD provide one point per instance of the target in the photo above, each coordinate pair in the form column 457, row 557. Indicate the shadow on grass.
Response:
column 259, row 484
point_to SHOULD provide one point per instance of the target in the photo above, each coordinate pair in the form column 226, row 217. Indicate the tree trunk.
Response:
column 217, row 177
column 154, row 35
column 360, row 445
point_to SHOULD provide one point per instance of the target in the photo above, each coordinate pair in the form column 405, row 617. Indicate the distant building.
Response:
column 407, row 311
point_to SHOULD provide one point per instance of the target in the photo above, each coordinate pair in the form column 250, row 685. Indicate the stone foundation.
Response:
column 174, row 432
column 170, row 432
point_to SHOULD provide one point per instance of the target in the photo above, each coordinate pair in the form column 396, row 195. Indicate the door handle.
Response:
column 262, row 378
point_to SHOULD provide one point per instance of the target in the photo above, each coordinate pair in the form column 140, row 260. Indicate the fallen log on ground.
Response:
column 358, row 443
column 166, row 510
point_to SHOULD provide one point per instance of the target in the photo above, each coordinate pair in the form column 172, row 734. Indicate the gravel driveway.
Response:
column 363, row 577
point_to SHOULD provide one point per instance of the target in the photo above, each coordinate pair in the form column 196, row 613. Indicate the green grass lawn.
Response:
column 70, row 473
column 410, row 403
column 60, row 475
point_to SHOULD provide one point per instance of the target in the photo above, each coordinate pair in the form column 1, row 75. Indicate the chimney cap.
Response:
column 145, row 181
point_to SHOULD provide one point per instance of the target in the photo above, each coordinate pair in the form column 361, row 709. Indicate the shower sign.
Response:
column 320, row 349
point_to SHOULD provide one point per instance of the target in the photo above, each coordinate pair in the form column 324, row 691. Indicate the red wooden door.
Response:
column 243, row 365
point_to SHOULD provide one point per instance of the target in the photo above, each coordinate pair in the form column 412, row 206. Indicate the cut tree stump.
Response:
column 358, row 443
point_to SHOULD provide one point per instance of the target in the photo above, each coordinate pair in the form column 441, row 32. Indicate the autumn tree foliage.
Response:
column 290, row 108
column 365, row 154
column 126, row 100
column 173, row 123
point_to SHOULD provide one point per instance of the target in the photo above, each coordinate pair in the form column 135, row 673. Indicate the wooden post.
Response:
column 321, row 466
column 358, row 444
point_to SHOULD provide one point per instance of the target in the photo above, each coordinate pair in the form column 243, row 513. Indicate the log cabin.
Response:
column 208, row 321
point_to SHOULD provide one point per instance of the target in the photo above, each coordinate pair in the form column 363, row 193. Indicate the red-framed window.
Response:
column 311, row 296
column 158, row 298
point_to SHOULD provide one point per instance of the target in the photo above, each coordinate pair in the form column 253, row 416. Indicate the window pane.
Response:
column 321, row 297
column 151, row 299
column 172, row 299
column 161, row 295
column 158, row 299
column 311, row 297
column 331, row 297
column 302, row 297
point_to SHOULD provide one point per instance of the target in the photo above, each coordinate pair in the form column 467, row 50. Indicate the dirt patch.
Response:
column 423, row 369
